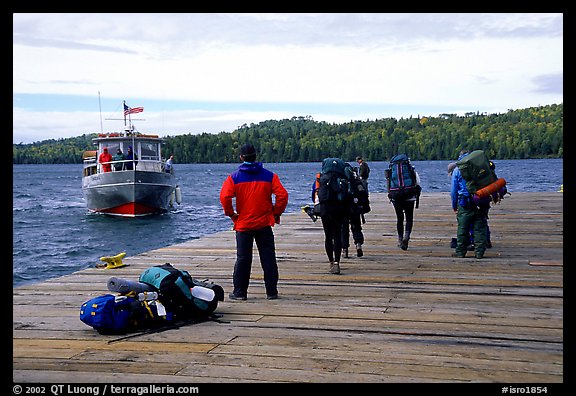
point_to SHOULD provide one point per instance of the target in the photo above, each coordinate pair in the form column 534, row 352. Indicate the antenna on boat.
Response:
column 100, row 105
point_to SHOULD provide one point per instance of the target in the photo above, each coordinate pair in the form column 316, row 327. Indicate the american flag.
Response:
column 132, row 110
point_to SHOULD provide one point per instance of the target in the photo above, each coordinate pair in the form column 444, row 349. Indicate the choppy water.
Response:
column 54, row 234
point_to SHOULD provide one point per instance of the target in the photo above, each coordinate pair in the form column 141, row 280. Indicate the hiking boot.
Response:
column 459, row 255
column 334, row 268
column 359, row 251
column 345, row 253
column 272, row 297
column 479, row 256
column 233, row 296
column 404, row 244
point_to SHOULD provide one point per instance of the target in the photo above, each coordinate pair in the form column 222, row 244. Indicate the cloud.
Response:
column 549, row 84
column 484, row 62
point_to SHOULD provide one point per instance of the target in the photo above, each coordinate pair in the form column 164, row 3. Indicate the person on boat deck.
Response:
column 119, row 156
column 131, row 156
column 105, row 159
column 169, row 164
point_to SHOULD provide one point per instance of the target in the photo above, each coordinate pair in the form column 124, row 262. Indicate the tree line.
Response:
column 535, row 132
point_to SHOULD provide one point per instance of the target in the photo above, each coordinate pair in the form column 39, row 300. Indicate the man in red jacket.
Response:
column 105, row 159
column 253, row 186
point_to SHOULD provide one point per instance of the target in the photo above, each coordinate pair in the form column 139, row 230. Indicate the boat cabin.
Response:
column 147, row 150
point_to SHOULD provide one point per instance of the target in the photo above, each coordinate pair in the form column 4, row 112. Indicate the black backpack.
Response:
column 359, row 193
column 401, row 179
column 334, row 181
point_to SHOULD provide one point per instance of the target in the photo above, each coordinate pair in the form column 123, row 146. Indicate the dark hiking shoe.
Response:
column 272, row 297
column 459, row 255
column 404, row 245
column 453, row 243
column 345, row 253
column 479, row 255
column 233, row 296
column 359, row 251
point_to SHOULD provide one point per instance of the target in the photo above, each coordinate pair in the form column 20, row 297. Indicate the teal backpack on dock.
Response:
column 180, row 293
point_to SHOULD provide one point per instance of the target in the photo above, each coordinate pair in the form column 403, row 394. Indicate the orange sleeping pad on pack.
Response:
column 491, row 188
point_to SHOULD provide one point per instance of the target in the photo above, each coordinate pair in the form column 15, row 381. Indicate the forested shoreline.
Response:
column 535, row 132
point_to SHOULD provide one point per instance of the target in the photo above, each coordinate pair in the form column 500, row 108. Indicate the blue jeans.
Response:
column 264, row 238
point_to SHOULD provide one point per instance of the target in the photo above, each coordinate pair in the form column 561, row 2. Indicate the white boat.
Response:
column 134, row 187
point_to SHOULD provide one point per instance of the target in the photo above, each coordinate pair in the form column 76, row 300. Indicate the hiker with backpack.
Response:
column 403, row 183
column 332, row 189
column 468, row 214
column 252, row 187
column 453, row 242
column 358, row 205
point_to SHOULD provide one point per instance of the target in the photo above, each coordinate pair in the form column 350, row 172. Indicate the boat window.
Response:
column 149, row 151
column 112, row 147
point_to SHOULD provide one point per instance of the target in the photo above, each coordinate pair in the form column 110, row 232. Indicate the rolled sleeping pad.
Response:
column 123, row 286
column 491, row 188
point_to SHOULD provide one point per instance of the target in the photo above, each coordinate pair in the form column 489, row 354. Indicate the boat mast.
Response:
column 100, row 105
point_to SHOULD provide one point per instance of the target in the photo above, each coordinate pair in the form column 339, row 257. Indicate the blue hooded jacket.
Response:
column 458, row 192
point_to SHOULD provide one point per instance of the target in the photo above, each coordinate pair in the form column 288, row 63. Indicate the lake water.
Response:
column 54, row 234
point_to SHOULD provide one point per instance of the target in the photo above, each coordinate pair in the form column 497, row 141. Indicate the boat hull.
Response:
column 129, row 193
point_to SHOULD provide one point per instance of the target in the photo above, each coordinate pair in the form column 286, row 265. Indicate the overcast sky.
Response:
column 197, row 73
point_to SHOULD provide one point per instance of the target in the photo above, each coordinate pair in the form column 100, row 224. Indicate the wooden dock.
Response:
column 414, row 316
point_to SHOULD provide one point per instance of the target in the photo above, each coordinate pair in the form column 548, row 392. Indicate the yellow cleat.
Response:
column 112, row 261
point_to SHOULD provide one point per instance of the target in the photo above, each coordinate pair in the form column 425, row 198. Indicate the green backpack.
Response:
column 475, row 170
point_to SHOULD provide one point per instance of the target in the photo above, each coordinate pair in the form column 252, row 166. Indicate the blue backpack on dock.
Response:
column 110, row 314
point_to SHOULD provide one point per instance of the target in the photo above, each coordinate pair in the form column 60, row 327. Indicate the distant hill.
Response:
column 535, row 132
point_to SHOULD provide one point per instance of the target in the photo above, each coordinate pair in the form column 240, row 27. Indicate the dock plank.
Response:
column 392, row 316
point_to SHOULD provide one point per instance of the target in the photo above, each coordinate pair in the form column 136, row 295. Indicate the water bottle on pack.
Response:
column 203, row 293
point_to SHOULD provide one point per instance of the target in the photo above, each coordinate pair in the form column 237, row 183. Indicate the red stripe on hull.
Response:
column 130, row 209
